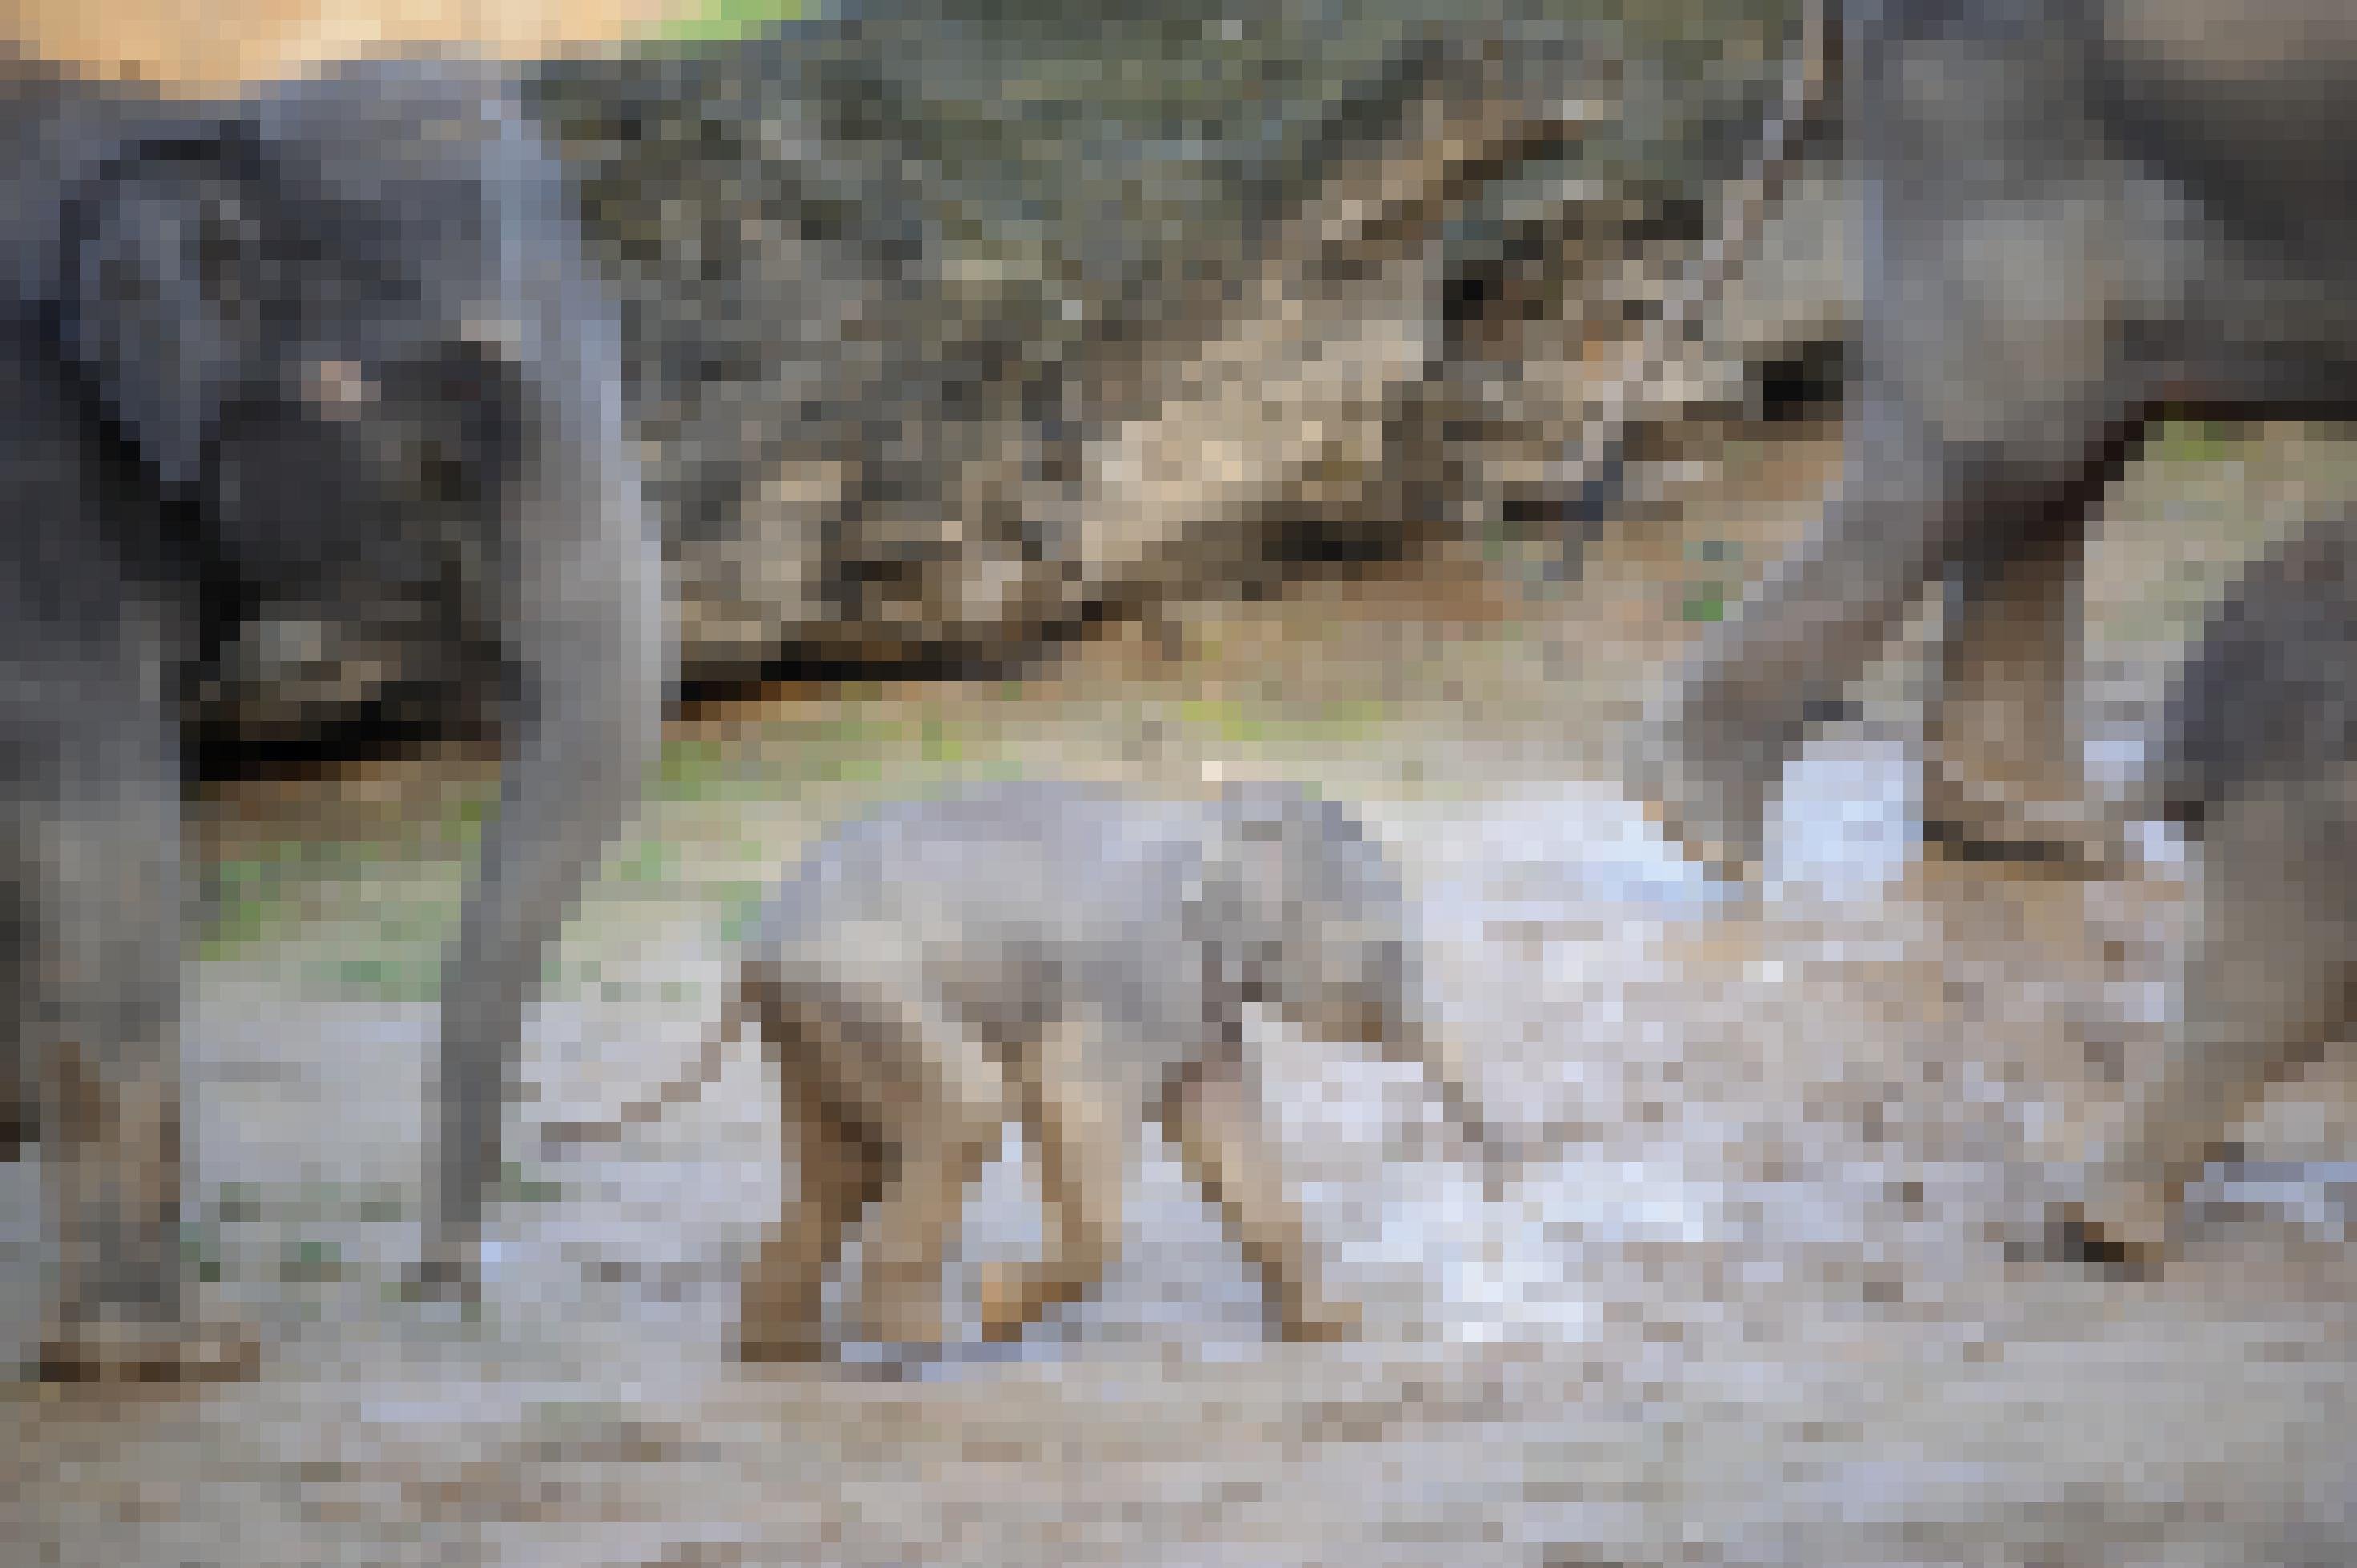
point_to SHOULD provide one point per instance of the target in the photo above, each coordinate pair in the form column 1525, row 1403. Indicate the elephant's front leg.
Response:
column 102, row 1037
column 1224, row 1138
column 1713, row 752
column 2016, row 284
column 2003, row 772
column 2007, row 517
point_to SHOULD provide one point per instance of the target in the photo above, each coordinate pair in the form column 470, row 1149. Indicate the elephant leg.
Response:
column 1084, row 1129
column 2266, row 985
column 1719, row 736
column 1985, row 407
column 2003, row 777
column 19, row 1084
column 1222, row 1131
column 101, row 1039
column 839, row 1170
column 907, row 1241
column 1911, row 508
column 108, row 959
column 946, row 1116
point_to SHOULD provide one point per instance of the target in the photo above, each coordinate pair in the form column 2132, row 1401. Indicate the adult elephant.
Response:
column 332, row 349
column 2074, row 214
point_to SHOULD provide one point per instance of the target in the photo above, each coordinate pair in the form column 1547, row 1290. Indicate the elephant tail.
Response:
column 679, row 1089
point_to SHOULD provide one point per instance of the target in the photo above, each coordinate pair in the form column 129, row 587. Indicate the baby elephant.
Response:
column 1078, row 960
column 2259, row 763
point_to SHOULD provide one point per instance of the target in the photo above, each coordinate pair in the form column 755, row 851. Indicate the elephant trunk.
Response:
column 584, row 629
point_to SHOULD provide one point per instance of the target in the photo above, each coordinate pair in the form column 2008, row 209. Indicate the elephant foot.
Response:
column 2090, row 854
column 2124, row 1237
column 779, row 1326
column 1016, row 1295
column 790, row 1349
column 1303, row 1317
column 1713, row 814
column 2073, row 1239
column 1007, row 1292
column 910, row 1322
column 2048, row 829
column 115, row 1353
column 1327, row 1324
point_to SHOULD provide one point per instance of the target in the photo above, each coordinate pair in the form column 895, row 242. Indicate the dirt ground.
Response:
column 1754, row 1308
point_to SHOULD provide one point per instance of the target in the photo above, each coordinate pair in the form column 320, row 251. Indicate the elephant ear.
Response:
column 167, row 284
column 1238, row 907
column 1214, row 916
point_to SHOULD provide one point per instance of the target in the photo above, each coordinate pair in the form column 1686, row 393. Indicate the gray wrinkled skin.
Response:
column 1031, row 899
column 330, row 348
column 2258, row 760
column 2072, row 215
column 2264, row 701
column 1078, row 958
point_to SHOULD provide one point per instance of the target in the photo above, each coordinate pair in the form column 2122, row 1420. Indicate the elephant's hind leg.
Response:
column 839, row 1171
column 2266, row 984
column 940, row 1101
